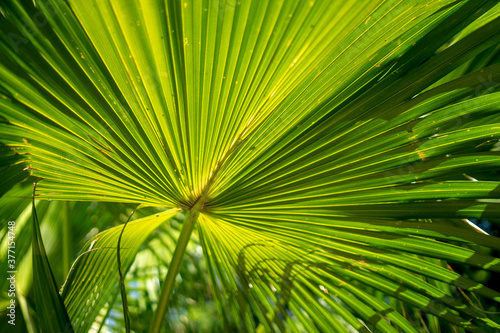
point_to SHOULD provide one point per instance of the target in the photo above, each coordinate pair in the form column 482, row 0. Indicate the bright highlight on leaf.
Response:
column 337, row 160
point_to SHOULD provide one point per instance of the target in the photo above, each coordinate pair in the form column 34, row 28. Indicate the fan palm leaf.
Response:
column 330, row 155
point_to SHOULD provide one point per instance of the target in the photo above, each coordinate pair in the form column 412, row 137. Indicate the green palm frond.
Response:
column 330, row 155
column 94, row 275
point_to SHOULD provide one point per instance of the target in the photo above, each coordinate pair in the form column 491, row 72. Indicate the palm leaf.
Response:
column 142, row 280
column 83, row 297
column 331, row 155
column 49, row 305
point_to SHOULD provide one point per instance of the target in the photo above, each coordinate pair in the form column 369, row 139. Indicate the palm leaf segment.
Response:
column 329, row 142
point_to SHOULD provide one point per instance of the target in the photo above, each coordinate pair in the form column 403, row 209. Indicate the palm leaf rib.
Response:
column 330, row 155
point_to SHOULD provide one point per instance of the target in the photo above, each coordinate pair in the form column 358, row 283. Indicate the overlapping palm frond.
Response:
column 331, row 154
column 142, row 280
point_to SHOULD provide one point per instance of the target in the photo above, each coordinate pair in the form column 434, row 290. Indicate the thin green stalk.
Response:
column 175, row 264
column 123, row 291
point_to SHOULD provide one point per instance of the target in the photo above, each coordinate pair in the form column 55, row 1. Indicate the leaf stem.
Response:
column 175, row 264
column 123, row 291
